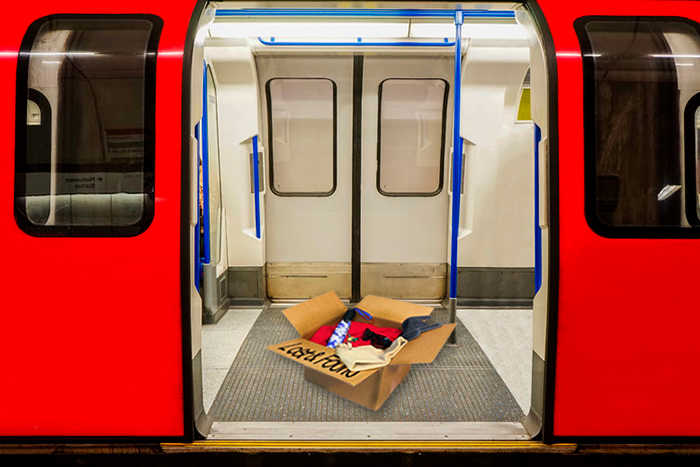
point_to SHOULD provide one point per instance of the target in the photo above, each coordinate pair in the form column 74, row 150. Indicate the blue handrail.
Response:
column 363, row 13
column 456, row 156
column 538, row 230
column 256, row 185
column 359, row 42
column 206, row 258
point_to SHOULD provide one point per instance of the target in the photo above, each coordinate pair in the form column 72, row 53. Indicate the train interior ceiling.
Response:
column 325, row 153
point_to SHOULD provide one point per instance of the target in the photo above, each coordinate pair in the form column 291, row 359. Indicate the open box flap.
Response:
column 424, row 348
column 392, row 310
column 320, row 358
column 307, row 317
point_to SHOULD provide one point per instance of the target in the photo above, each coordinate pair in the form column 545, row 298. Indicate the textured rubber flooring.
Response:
column 461, row 385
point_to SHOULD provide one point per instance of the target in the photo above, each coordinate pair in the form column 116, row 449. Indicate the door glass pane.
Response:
column 637, row 75
column 86, row 153
column 411, row 136
column 214, row 173
column 302, row 130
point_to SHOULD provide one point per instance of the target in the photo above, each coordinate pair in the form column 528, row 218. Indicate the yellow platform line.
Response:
column 368, row 445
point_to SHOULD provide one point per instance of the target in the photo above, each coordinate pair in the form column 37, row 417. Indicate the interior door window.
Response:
column 302, row 130
column 411, row 136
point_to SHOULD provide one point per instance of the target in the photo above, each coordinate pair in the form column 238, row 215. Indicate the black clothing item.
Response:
column 412, row 327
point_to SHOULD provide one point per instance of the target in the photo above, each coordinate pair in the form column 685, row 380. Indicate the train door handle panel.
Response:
column 194, row 188
column 465, row 152
column 542, row 185
column 261, row 171
column 253, row 224
column 467, row 206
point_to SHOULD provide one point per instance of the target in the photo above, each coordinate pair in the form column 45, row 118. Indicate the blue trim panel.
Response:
column 256, row 185
column 363, row 13
column 206, row 215
column 445, row 43
column 456, row 155
column 538, row 230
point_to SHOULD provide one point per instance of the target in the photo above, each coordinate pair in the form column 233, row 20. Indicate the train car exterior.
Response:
column 126, row 356
column 608, row 295
column 108, row 350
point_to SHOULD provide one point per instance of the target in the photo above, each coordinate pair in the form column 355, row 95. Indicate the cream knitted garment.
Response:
column 368, row 357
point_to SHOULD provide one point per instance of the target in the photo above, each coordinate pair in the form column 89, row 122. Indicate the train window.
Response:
column 524, row 113
column 85, row 125
column 635, row 77
column 302, row 130
column 692, row 158
column 411, row 136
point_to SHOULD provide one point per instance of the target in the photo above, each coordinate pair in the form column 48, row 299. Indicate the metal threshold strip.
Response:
column 365, row 431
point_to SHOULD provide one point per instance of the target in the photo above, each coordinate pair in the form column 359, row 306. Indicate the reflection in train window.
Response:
column 696, row 156
column 411, row 136
column 302, row 130
column 692, row 159
column 637, row 72
column 85, row 152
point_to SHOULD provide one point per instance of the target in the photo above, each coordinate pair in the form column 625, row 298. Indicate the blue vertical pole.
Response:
column 456, row 169
column 206, row 258
column 538, row 230
column 256, row 185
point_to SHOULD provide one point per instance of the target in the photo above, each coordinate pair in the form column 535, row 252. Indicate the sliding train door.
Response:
column 406, row 131
column 92, row 327
column 627, row 321
column 403, row 106
column 308, row 205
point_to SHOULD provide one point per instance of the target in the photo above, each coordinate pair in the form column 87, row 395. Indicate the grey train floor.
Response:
column 461, row 385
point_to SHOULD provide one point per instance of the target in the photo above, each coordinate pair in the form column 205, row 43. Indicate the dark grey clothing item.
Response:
column 412, row 327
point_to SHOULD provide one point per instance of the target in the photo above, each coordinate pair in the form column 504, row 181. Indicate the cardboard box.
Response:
column 370, row 388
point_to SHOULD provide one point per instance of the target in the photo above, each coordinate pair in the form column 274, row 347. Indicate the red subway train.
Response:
column 185, row 171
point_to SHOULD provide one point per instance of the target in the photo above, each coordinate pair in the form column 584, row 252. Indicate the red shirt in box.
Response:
column 356, row 331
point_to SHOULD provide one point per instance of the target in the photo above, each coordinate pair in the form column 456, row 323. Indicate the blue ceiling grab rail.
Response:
column 272, row 42
column 362, row 13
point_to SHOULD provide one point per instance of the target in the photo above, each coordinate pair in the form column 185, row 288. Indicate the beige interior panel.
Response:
column 307, row 280
column 415, row 281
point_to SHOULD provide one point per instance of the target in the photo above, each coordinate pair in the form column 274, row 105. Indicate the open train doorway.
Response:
column 326, row 145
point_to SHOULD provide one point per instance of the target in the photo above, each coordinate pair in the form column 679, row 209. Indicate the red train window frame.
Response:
column 91, row 227
column 589, row 127
column 691, row 138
